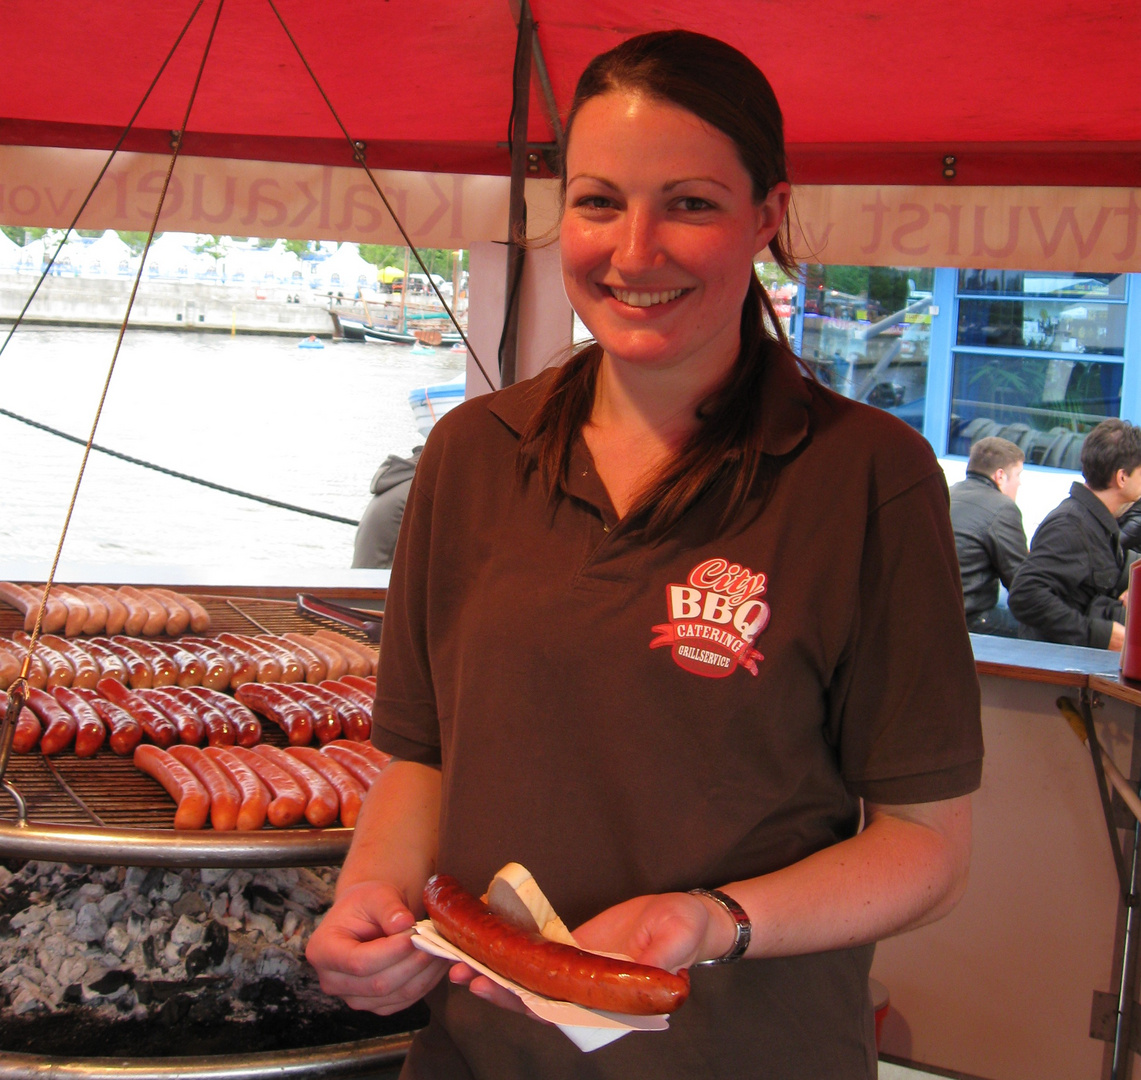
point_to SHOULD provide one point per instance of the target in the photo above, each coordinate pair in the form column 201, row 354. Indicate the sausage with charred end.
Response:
column 254, row 794
column 180, row 784
column 124, row 732
column 199, row 616
column 350, row 791
column 156, row 725
column 550, row 968
column 225, row 800
column 90, row 731
column 58, row 724
column 247, row 726
column 116, row 611
column 321, row 802
column 26, row 737
column 295, row 720
column 365, row 771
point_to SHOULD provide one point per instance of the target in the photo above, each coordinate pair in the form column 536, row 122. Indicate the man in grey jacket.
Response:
column 380, row 523
column 1072, row 588
column 989, row 537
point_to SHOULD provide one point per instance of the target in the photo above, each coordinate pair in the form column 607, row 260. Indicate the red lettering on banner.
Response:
column 817, row 244
column 1131, row 212
column 151, row 184
column 253, row 212
column 877, row 210
column 1067, row 217
column 457, row 208
column 368, row 208
column 922, row 216
column 954, row 213
column 119, row 179
column 198, row 210
column 308, row 208
column 442, row 205
column 29, row 205
column 981, row 246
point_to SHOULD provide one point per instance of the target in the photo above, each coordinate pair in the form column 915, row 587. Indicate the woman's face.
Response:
column 659, row 232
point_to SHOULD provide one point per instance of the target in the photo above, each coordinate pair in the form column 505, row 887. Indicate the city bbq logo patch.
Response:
column 714, row 619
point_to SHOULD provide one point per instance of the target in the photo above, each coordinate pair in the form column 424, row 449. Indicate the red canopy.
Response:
column 1023, row 92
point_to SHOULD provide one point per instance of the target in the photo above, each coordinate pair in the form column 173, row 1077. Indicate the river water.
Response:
column 257, row 413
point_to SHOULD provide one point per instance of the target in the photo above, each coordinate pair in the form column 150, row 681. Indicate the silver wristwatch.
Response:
column 740, row 917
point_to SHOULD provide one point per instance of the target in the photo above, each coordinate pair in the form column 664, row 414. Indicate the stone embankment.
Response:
column 167, row 305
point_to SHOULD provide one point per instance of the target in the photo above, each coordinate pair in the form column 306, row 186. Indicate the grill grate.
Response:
column 110, row 786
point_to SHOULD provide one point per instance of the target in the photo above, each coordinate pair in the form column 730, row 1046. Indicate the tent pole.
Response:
column 517, row 214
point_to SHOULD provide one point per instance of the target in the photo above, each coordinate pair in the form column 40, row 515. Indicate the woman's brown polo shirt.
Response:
column 627, row 718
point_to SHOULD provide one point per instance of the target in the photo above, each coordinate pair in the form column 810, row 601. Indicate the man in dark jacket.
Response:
column 1072, row 586
column 380, row 522
column 989, row 536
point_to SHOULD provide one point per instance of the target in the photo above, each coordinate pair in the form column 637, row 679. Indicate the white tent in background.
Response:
column 108, row 256
column 31, row 258
column 346, row 271
column 170, row 257
column 9, row 252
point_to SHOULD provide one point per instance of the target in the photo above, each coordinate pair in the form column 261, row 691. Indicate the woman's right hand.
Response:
column 363, row 952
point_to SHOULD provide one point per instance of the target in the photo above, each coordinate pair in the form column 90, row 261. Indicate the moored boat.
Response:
column 429, row 403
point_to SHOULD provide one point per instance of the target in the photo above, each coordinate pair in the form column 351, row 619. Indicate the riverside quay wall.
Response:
column 166, row 305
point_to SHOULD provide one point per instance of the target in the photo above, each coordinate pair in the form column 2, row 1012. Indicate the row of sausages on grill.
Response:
column 243, row 789
column 223, row 662
column 98, row 609
column 87, row 718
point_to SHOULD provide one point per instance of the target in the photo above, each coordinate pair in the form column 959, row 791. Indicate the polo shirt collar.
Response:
column 784, row 407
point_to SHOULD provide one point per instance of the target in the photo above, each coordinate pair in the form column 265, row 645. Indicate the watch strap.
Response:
column 740, row 917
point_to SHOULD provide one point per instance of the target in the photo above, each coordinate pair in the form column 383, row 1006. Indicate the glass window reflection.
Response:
column 867, row 333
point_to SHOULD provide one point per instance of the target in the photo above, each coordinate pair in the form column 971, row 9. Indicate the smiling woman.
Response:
column 663, row 657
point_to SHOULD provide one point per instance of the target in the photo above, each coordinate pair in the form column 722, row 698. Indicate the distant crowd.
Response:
column 1071, row 585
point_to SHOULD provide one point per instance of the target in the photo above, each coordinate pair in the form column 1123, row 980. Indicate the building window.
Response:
column 866, row 333
column 1038, row 358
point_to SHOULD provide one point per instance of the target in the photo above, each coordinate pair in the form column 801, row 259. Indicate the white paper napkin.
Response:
column 588, row 1029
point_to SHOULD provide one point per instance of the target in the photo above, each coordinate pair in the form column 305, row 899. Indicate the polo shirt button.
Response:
column 606, row 528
